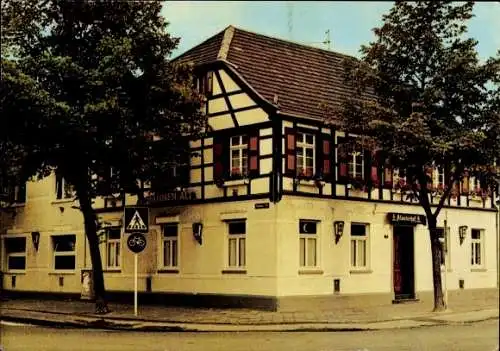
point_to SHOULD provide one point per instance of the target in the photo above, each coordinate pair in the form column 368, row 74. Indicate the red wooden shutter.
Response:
column 327, row 156
column 374, row 168
column 387, row 175
column 218, row 158
column 253, row 153
column 465, row 183
column 429, row 171
column 290, row 142
column 342, row 159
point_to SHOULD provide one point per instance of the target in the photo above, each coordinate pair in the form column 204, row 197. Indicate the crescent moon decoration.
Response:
column 304, row 228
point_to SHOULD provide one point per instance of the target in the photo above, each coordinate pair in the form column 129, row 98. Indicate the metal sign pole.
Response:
column 135, row 284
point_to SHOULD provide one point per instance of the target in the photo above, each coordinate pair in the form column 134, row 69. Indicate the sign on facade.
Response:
column 406, row 218
column 136, row 219
column 171, row 196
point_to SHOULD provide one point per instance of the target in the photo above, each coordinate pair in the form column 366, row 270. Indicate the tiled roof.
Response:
column 301, row 76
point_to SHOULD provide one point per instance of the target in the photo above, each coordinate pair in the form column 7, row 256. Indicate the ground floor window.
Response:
column 308, row 242
column 15, row 253
column 477, row 236
column 113, row 248
column 170, row 240
column 63, row 247
column 236, row 243
column 445, row 254
column 359, row 245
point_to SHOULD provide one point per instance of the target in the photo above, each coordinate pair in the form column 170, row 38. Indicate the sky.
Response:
column 350, row 22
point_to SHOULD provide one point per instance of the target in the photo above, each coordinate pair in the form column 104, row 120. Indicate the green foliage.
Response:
column 423, row 96
column 85, row 86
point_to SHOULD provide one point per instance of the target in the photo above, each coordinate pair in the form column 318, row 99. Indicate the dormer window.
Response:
column 204, row 83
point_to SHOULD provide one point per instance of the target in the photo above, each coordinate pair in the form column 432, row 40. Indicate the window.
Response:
column 399, row 178
column 236, row 244
column 170, row 245
column 439, row 180
column 204, row 83
column 476, row 247
column 356, row 162
column 15, row 252
column 308, row 240
column 64, row 252
column 63, row 189
column 239, row 155
column 13, row 194
column 445, row 256
column 113, row 247
column 359, row 239
column 305, row 154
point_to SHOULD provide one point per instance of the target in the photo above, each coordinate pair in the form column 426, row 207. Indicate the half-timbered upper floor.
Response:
column 267, row 137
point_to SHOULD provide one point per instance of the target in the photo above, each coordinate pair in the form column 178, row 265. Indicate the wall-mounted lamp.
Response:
column 462, row 233
column 338, row 227
column 198, row 232
column 35, row 238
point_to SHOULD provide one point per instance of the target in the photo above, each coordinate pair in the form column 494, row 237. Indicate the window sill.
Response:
column 62, row 272
column 478, row 269
column 305, row 271
column 361, row 271
column 235, row 182
column 18, row 204
column 168, row 271
column 15, row 272
column 112, row 270
column 62, row 201
column 234, row 271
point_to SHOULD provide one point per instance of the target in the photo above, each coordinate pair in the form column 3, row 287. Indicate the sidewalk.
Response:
column 79, row 314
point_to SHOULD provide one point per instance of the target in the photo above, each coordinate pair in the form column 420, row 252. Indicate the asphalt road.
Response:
column 482, row 336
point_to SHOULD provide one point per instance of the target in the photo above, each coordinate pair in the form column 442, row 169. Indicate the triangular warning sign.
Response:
column 136, row 223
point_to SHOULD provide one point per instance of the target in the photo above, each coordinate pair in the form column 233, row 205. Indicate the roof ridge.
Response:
column 200, row 44
column 225, row 43
column 291, row 42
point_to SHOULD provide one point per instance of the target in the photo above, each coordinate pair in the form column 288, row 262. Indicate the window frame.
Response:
column 63, row 253
column 238, row 237
column 447, row 258
column 356, row 240
column 67, row 191
column 302, row 144
column 170, row 239
column 353, row 163
column 473, row 248
column 243, row 169
column 15, row 254
column 115, row 242
column 306, row 238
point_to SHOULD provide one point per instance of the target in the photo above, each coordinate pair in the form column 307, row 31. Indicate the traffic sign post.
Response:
column 136, row 219
column 136, row 243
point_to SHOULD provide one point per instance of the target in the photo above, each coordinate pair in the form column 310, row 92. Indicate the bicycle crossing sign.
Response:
column 136, row 242
column 136, row 219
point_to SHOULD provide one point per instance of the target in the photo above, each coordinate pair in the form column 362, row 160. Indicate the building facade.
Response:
column 277, row 203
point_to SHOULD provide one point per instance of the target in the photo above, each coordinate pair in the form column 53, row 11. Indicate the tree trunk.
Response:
column 101, row 306
column 439, row 303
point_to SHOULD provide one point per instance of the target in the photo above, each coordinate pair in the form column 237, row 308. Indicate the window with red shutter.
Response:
column 342, row 159
column 374, row 168
column 387, row 175
column 219, row 156
column 326, row 166
column 290, row 151
column 253, row 152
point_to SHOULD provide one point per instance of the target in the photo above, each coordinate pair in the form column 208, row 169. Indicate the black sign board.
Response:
column 406, row 218
column 136, row 219
column 307, row 226
column 136, row 242
column 261, row 205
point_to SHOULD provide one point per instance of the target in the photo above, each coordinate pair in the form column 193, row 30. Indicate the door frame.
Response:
column 413, row 294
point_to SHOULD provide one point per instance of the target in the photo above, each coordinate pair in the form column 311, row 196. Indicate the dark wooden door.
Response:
column 403, row 266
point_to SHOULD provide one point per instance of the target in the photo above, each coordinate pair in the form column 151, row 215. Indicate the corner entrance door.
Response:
column 404, row 283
